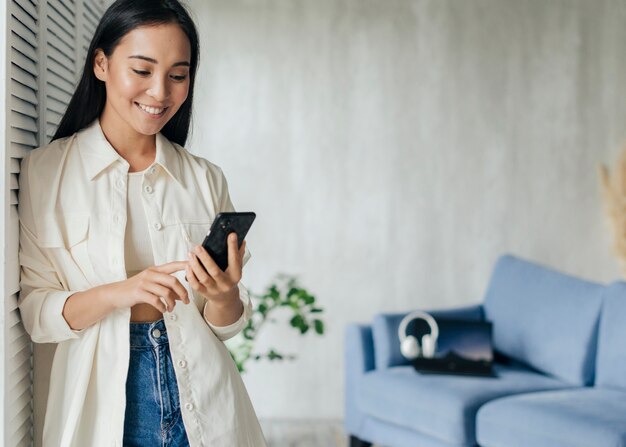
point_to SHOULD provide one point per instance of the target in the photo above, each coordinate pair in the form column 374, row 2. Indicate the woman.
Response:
column 110, row 212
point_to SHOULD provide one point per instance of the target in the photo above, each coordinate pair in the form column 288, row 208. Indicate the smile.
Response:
column 153, row 111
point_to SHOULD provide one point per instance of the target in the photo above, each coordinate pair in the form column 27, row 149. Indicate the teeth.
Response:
column 152, row 110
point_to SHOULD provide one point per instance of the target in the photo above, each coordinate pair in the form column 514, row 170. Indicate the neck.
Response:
column 136, row 148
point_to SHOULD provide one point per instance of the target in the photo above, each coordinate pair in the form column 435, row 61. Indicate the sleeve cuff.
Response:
column 52, row 320
column 226, row 332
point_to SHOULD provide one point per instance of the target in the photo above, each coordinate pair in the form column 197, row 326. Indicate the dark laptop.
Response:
column 464, row 347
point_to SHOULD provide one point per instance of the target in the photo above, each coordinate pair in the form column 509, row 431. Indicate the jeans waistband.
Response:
column 149, row 334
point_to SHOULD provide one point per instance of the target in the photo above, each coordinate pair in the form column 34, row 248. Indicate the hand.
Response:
column 155, row 286
column 205, row 276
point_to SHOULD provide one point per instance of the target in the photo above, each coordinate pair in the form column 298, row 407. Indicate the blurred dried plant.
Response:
column 614, row 196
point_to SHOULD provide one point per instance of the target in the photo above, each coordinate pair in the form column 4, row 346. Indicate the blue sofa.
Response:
column 561, row 345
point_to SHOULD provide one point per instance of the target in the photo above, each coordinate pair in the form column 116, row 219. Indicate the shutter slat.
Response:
column 18, row 58
column 60, row 70
column 58, row 56
column 24, row 107
column 63, row 31
column 28, row 7
column 20, row 342
column 13, row 317
column 24, row 33
column 60, row 45
column 19, row 150
column 65, row 15
column 23, row 77
column 23, row 122
column 57, row 107
column 12, row 281
column 20, row 11
column 13, row 183
column 26, row 48
column 18, row 360
column 23, row 137
column 55, row 81
column 14, row 165
column 23, row 93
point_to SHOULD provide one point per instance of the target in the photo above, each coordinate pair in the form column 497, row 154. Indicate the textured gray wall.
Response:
column 393, row 149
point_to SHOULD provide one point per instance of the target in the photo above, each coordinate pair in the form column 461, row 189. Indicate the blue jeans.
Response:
column 152, row 416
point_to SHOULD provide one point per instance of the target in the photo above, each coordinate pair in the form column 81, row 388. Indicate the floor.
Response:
column 296, row 433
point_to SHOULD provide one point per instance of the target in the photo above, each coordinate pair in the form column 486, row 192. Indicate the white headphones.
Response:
column 409, row 346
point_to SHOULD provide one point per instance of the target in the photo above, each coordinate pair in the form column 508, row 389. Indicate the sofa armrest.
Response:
column 359, row 359
column 385, row 332
column 359, row 349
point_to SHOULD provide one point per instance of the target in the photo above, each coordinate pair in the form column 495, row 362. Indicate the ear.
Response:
column 100, row 65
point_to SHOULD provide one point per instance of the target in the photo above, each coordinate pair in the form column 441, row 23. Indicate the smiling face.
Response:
column 146, row 79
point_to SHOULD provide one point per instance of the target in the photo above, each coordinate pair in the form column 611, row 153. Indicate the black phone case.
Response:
column 215, row 243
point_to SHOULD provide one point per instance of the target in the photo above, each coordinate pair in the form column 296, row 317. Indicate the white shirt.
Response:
column 73, row 213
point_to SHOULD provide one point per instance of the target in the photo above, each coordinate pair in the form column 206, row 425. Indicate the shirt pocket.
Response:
column 66, row 240
column 194, row 231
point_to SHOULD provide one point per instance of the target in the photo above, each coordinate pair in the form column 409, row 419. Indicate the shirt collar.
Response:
column 98, row 154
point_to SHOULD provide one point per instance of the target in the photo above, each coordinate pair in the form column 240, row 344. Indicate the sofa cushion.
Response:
column 385, row 332
column 611, row 363
column 544, row 318
column 574, row 418
column 441, row 406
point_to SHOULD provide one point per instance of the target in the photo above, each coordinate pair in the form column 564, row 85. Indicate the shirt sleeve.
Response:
column 226, row 332
column 42, row 296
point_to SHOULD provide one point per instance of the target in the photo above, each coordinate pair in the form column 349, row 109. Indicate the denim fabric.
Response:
column 152, row 404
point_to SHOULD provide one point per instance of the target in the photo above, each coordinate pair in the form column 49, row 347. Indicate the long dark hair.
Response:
column 120, row 18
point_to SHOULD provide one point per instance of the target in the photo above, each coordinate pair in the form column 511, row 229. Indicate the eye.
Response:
column 141, row 72
column 180, row 78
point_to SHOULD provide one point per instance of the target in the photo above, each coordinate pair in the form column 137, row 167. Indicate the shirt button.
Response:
column 156, row 333
column 173, row 317
column 189, row 406
column 121, row 183
column 152, row 170
column 148, row 189
column 116, row 261
column 116, row 218
column 182, row 363
column 157, row 226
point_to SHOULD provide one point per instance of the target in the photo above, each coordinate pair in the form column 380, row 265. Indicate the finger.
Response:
column 153, row 300
column 157, row 289
column 209, row 264
column 169, row 302
column 162, row 292
column 192, row 279
column 171, row 267
column 171, row 283
column 234, row 258
column 199, row 270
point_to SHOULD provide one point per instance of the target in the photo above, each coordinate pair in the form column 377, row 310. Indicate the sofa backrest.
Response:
column 544, row 318
column 611, row 362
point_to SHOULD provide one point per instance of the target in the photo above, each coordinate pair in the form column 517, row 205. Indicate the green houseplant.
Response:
column 283, row 294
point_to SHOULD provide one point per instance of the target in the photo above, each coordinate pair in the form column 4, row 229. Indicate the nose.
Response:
column 159, row 89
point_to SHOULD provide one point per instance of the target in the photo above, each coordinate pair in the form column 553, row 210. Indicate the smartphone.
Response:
column 215, row 242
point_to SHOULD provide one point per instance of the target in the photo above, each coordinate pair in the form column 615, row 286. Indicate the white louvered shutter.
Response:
column 59, row 63
column 46, row 48
column 22, row 127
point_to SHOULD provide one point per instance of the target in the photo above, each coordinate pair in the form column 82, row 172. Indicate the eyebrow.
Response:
column 154, row 61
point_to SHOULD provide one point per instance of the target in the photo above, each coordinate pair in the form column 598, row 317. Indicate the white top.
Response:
column 73, row 212
column 137, row 244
